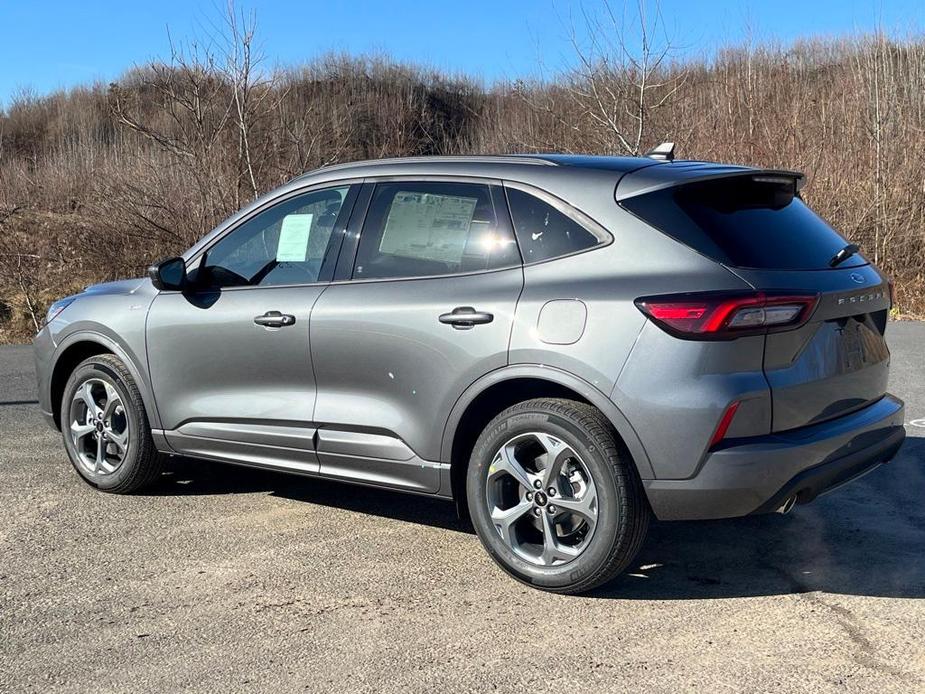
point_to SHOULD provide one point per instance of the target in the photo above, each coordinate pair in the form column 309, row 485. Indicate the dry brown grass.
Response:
column 105, row 179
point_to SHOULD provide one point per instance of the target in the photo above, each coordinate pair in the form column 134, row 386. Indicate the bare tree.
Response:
column 254, row 91
column 104, row 181
column 186, row 112
column 874, row 68
column 192, row 109
column 622, row 75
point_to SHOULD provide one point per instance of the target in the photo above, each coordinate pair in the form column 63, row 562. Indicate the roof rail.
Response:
column 663, row 152
column 462, row 158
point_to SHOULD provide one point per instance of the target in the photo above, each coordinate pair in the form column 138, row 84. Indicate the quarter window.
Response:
column 544, row 232
column 422, row 229
column 285, row 244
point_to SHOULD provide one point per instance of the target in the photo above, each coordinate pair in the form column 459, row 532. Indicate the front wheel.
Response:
column 105, row 427
column 553, row 498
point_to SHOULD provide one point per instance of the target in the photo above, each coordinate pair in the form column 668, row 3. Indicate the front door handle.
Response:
column 274, row 319
column 465, row 317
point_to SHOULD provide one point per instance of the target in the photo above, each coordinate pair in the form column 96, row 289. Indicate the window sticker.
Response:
column 428, row 226
column 293, row 238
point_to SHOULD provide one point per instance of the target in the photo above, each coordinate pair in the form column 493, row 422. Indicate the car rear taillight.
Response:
column 724, row 315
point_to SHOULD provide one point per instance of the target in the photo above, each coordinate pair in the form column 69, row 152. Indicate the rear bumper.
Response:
column 759, row 474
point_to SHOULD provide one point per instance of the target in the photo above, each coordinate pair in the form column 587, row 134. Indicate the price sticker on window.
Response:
column 293, row 238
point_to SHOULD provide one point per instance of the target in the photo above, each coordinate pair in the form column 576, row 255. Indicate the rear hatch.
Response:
column 756, row 224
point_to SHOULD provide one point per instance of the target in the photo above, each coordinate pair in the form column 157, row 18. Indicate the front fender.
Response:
column 99, row 334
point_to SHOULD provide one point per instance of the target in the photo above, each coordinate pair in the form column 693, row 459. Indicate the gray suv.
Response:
column 562, row 345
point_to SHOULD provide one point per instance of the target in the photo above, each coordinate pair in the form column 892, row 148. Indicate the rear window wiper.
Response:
column 844, row 254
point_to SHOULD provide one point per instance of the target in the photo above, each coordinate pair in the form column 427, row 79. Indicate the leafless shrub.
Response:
column 18, row 267
column 105, row 180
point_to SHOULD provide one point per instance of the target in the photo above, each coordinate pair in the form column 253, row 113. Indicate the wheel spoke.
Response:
column 552, row 549
column 584, row 506
column 556, row 453
column 505, row 462
column 554, row 466
column 504, row 520
column 100, row 454
column 85, row 394
column 112, row 401
column 119, row 439
column 79, row 431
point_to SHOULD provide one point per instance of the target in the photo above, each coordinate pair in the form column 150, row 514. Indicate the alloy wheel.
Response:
column 542, row 499
column 99, row 427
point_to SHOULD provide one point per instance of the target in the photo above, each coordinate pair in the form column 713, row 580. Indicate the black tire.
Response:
column 142, row 463
column 622, row 509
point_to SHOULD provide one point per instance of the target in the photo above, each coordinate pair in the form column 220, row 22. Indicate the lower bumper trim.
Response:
column 760, row 474
column 827, row 477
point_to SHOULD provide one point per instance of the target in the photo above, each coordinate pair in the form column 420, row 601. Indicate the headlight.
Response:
column 56, row 308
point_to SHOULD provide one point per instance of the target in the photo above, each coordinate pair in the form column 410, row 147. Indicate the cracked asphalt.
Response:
column 229, row 579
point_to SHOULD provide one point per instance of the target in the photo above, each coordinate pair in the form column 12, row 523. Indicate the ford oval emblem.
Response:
column 857, row 278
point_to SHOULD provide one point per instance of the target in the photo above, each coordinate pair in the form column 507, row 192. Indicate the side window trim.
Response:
column 503, row 213
column 346, row 263
column 326, row 274
column 336, row 242
column 351, row 237
column 604, row 237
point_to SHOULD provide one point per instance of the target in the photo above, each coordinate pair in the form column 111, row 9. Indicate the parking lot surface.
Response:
column 230, row 579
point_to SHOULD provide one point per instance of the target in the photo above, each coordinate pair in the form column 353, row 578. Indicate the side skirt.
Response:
column 368, row 459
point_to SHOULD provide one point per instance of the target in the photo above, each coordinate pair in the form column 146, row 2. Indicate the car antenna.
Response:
column 663, row 152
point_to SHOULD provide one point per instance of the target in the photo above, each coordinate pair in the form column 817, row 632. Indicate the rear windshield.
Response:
column 744, row 222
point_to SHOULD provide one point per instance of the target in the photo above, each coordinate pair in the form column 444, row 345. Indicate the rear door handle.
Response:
column 274, row 319
column 465, row 317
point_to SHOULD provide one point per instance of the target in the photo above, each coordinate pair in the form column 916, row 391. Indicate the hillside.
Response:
column 98, row 181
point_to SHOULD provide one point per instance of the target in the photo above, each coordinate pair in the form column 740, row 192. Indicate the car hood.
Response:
column 117, row 287
column 100, row 308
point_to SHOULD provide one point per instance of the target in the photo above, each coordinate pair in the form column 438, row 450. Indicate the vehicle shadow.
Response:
column 186, row 476
column 866, row 539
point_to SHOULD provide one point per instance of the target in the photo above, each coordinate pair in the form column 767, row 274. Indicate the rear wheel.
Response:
column 105, row 427
column 553, row 499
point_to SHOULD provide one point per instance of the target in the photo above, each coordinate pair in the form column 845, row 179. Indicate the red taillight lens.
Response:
column 725, row 316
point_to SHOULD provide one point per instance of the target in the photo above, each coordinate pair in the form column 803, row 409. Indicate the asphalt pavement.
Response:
column 227, row 579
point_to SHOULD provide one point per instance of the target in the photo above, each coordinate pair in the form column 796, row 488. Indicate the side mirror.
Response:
column 169, row 274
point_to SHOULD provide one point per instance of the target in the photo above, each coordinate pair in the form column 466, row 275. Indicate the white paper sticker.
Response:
column 293, row 238
column 428, row 226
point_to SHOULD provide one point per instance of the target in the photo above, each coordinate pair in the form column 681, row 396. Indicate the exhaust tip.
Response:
column 787, row 506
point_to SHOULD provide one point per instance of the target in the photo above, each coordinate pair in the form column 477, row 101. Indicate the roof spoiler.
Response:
column 798, row 179
column 650, row 178
column 662, row 152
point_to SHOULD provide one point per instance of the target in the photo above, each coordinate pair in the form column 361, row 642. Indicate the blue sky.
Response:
column 60, row 43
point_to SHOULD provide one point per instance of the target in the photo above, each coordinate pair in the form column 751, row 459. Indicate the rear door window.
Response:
column 744, row 222
column 421, row 229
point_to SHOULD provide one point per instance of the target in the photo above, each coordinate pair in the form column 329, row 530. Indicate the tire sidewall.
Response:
column 93, row 369
column 608, row 526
